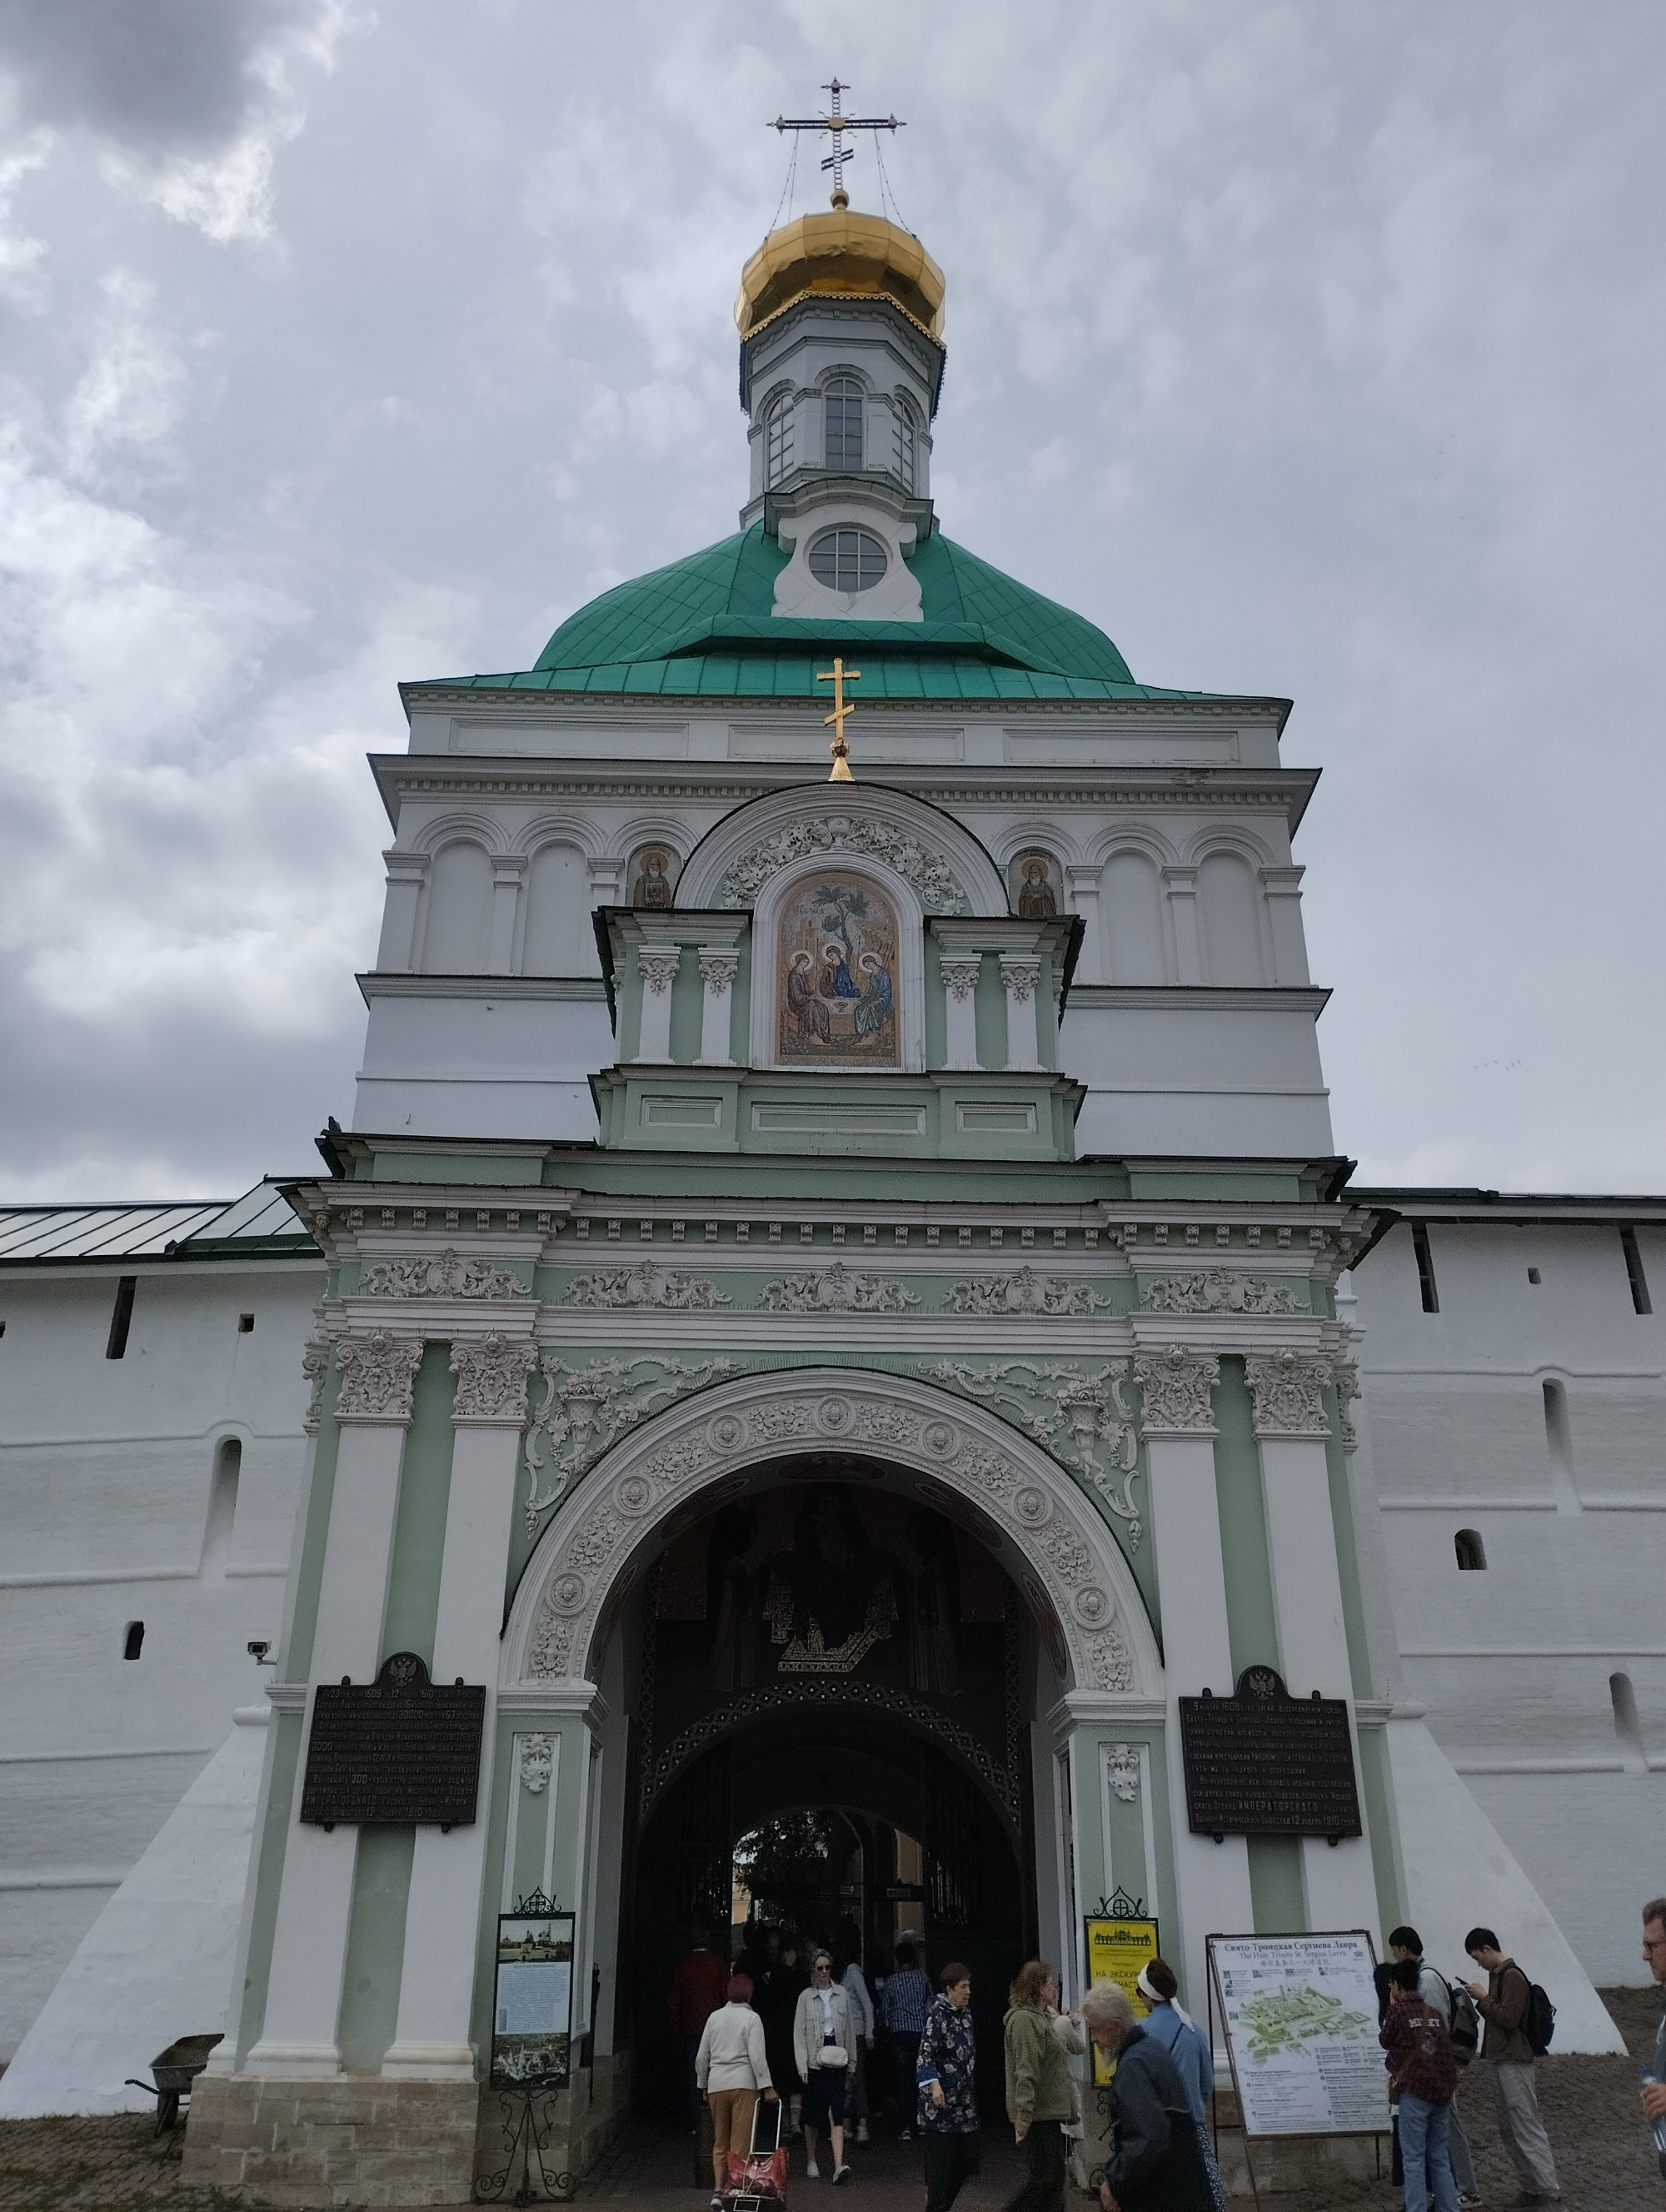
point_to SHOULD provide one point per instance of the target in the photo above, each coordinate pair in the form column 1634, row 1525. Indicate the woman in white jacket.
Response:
column 732, row 2069
column 824, row 2048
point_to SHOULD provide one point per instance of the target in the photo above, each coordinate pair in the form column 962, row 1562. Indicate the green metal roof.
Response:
column 704, row 625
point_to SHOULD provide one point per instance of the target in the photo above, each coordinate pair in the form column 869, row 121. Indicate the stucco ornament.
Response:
column 537, row 1762
column 1025, row 1292
column 837, row 1289
column 1019, row 972
column 1289, row 1391
column 718, row 970
column 449, row 1276
column 938, row 887
column 1347, row 1389
column 647, row 1284
column 694, row 1447
column 583, row 1410
column 315, row 1366
column 1080, row 1416
column 1176, row 1391
column 378, row 1372
column 1221, row 1291
column 657, row 968
column 1123, row 1771
column 491, row 1374
column 960, row 977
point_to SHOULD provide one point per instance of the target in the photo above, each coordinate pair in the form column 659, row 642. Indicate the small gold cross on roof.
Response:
column 838, row 676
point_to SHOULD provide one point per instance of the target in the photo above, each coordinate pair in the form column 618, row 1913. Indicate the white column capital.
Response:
column 491, row 1373
column 1177, row 1390
column 657, row 965
column 378, row 1373
column 1288, row 1388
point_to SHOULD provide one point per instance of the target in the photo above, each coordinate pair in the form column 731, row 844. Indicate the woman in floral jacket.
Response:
column 948, row 2105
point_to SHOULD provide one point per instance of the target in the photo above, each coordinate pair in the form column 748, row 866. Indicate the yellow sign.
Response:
column 1117, row 1950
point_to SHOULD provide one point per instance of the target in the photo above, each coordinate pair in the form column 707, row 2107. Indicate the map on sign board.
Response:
column 1300, row 2013
column 532, row 2001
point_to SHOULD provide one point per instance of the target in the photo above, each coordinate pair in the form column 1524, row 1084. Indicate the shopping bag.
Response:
column 761, row 2175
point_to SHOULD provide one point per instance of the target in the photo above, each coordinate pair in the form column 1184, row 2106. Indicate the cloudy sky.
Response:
column 1308, row 349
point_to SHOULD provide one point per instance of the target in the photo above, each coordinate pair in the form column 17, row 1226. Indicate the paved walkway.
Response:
column 1590, row 2106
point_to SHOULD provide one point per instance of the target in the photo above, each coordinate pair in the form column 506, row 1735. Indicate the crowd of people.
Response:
column 812, row 2032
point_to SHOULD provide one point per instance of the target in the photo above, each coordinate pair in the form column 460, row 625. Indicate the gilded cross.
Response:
column 838, row 123
column 838, row 676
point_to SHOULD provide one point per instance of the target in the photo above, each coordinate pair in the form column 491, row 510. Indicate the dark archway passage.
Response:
column 885, row 1781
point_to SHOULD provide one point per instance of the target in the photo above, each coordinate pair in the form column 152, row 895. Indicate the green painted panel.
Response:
column 688, row 993
column 1347, row 1553
column 1276, row 1897
column 937, row 1019
column 740, row 1004
column 285, row 1756
column 1251, row 1622
column 516, row 1170
column 375, row 1947
column 1380, row 1824
column 989, row 1001
column 296, row 1662
column 1211, row 1180
column 419, row 1521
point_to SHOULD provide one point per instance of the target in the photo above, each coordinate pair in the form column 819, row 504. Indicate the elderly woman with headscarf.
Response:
column 1193, row 2060
column 1156, row 2166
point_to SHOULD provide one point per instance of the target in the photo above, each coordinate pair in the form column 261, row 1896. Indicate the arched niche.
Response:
column 875, row 944
column 1228, row 903
column 560, row 938
column 458, row 909
column 1047, row 1535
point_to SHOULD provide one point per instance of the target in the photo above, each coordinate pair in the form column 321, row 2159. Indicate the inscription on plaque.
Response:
column 1263, row 1763
column 401, row 1750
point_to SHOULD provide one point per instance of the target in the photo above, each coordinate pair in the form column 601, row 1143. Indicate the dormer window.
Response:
column 778, row 440
column 908, row 445
column 848, row 560
column 843, row 405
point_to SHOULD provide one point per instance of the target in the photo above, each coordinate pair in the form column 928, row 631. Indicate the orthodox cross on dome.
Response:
column 838, row 123
column 838, row 676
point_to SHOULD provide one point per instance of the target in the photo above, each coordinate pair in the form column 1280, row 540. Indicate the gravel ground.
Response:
column 1590, row 2104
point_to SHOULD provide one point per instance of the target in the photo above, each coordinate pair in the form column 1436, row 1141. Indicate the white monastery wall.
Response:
column 109, row 1510
column 1544, row 1671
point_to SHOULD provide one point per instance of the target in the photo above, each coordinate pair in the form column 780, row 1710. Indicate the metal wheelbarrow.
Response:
column 173, row 2072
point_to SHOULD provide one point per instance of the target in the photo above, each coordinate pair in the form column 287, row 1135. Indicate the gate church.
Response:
column 831, row 1289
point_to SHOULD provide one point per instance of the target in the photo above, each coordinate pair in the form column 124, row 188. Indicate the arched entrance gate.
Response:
column 1074, row 1787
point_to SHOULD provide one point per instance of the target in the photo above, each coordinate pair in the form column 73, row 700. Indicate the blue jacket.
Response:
column 1190, row 2052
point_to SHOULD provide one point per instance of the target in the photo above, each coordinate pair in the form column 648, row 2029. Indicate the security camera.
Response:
column 258, row 1649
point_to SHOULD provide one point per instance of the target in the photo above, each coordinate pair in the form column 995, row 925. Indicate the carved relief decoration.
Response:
column 938, row 887
column 1221, row 1291
column 583, row 1410
column 718, row 970
column 449, row 1276
column 1347, row 1389
column 837, row 1289
column 378, row 1372
column 657, row 968
column 959, row 976
column 1019, row 972
column 699, row 1445
column 491, row 1374
column 1025, row 1292
column 1289, row 1391
column 315, row 1366
column 1123, row 1771
column 1176, row 1391
column 537, row 1762
column 1078, row 1416
column 647, row 1284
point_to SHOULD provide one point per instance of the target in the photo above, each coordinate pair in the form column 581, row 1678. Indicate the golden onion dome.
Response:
column 836, row 256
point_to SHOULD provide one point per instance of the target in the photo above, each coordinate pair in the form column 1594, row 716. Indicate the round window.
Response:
column 847, row 560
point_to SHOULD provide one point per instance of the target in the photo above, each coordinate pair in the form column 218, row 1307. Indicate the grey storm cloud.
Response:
column 1308, row 349
column 149, row 73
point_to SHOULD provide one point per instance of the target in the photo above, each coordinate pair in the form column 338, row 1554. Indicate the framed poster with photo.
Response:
column 1117, row 1948
column 1300, row 2015
column 532, row 1998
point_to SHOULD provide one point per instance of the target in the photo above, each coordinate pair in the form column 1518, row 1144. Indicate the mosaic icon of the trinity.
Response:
column 836, row 961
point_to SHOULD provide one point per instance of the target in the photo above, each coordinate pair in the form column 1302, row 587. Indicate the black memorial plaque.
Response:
column 401, row 1750
column 1263, row 1763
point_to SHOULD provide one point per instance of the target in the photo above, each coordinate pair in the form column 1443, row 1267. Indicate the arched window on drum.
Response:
column 841, row 405
column 906, row 433
column 778, row 440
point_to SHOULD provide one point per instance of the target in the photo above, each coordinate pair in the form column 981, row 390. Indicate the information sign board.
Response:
column 1117, row 1950
column 1300, row 2014
column 401, row 1749
column 532, row 2001
column 1263, row 1763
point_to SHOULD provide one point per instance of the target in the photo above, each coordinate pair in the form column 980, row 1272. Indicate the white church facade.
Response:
column 827, row 1279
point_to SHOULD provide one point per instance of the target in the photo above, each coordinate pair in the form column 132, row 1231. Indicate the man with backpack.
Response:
column 1457, row 2008
column 1517, row 2032
column 1422, row 2078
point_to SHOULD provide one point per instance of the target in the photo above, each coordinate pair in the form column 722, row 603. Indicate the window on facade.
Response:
column 847, row 560
column 1534, row 1276
column 1471, row 1552
column 778, row 441
column 1639, row 1282
column 1425, row 1268
column 907, row 444
column 223, row 1505
column 121, row 1318
column 842, row 403
column 1626, row 1725
column 132, row 1642
column 245, row 1324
